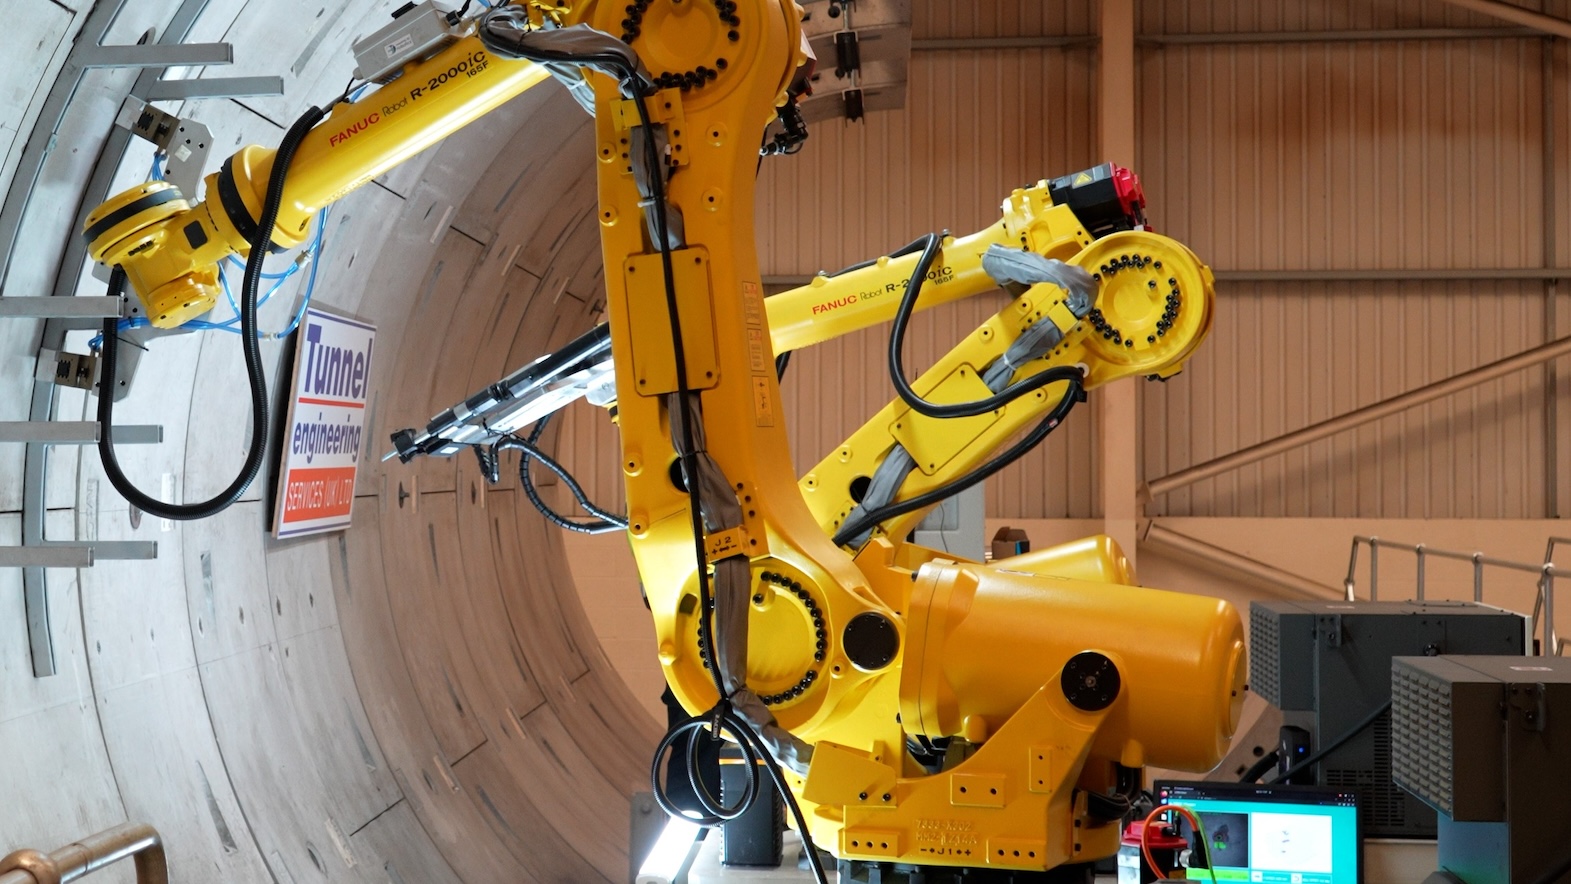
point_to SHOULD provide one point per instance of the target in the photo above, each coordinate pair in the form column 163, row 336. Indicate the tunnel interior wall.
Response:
column 418, row 699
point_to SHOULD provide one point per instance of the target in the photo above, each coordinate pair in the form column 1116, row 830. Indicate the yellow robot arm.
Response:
column 1153, row 307
column 170, row 249
column 1058, row 687
column 831, row 306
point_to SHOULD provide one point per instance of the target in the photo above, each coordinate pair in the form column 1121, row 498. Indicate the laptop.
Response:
column 1272, row 834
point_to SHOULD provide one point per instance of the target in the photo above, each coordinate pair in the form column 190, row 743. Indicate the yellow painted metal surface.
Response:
column 649, row 322
column 933, row 442
column 972, row 654
column 1130, row 335
column 1097, row 558
column 978, row 651
column 178, row 279
column 831, row 306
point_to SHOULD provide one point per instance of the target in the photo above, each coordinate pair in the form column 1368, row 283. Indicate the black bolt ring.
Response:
column 697, row 77
column 820, row 637
column 1175, row 300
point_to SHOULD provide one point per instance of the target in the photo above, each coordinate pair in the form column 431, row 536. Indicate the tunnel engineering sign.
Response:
column 325, row 430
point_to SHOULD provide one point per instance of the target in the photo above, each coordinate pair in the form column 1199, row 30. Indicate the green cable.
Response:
column 1205, row 842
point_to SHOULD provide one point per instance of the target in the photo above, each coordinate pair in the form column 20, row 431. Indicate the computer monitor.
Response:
column 1273, row 834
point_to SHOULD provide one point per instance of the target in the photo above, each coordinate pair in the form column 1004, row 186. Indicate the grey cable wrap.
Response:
column 889, row 475
column 676, row 229
column 509, row 26
column 1012, row 268
column 506, row 29
column 732, row 587
column 1015, row 270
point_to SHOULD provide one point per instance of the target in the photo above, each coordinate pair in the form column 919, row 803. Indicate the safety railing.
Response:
column 1543, row 619
column 135, row 840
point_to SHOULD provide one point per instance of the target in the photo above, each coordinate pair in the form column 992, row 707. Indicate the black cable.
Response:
column 1107, row 808
column 605, row 521
column 255, row 376
column 684, row 408
column 784, row 359
column 853, row 527
column 1258, row 770
column 914, row 245
column 721, row 716
column 1334, row 744
column 739, row 726
column 638, row 86
column 897, row 334
column 713, row 811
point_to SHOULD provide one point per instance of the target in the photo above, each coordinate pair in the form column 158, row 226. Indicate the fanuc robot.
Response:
column 792, row 616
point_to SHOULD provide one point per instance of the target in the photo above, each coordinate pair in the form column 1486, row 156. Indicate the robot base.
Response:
column 872, row 872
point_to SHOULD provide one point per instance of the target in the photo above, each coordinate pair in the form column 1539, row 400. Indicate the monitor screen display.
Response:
column 1272, row 834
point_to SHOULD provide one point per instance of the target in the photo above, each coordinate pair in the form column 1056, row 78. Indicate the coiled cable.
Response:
column 256, row 377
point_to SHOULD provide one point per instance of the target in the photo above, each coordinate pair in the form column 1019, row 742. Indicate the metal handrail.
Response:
column 1546, row 588
column 139, row 841
column 1543, row 606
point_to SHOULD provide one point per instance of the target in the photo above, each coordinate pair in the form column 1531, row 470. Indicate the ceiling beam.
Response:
column 1421, row 274
column 1376, row 35
column 1381, row 35
column 1549, row 24
column 957, row 44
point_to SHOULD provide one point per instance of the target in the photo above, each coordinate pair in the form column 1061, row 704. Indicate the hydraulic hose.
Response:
column 255, row 376
column 853, row 527
column 605, row 522
column 930, row 248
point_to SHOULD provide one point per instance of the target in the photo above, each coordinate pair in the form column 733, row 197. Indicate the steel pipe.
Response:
column 1385, row 408
column 1551, row 645
column 1450, row 554
column 1427, row 274
column 1352, row 565
column 1538, row 21
column 958, row 44
column 1345, row 36
column 159, row 55
column 1526, row 567
column 1374, row 568
column 1549, row 548
column 139, row 841
column 46, row 557
column 1351, row 35
column 1158, row 536
column 49, row 307
column 1543, row 602
column 1419, row 551
column 75, row 433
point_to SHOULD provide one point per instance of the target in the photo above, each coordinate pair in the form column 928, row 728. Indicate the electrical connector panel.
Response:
column 416, row 33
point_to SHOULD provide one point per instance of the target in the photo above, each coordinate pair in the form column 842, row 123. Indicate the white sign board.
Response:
column 325, row 430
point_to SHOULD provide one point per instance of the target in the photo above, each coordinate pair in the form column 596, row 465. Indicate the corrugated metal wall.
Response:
column 1354, row 156
column 1247, row 16
column 977, row 125
column 1389, row 155
column 1287, row 355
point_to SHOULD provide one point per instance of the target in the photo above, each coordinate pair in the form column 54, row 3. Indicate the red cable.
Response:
column 1145, row 828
